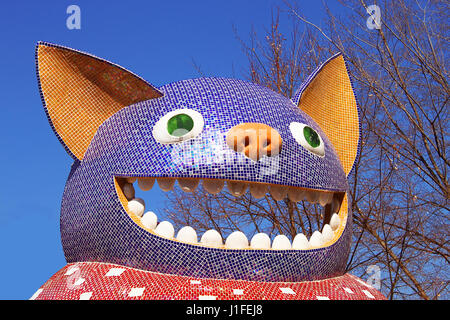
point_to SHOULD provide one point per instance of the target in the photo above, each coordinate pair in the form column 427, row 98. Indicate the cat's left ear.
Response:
column 81, row 91
column 327, row 96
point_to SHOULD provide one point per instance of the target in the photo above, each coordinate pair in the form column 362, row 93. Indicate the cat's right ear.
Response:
column 327, row 96
column 80, row 91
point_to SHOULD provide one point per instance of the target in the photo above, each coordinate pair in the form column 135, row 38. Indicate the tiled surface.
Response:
column 136, row 284
column 92, row 91
column 94, row 224
column 327, row 96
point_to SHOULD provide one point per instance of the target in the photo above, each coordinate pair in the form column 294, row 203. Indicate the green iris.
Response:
column 311, row 137
column 179, row 125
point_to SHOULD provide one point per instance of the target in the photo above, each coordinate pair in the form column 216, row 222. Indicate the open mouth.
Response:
column 333, row 220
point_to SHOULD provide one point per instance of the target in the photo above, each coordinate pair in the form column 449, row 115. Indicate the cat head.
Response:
column 214, row 133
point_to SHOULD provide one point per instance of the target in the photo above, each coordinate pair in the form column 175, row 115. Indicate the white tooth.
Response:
column 300, row 242
column 149, row 220
column 335, row 221
column 213, row 186
column 296, row 194
column 128, row 191
column 165, row 229
column 146, row 184
column 312, row 196
column 325, row 198
column 236, row 240
column 327, row 233
column 335, row 205
column 211, row 238
column 278, row 192
column 187, row 234
column 236, row 188
column 166, row 184
column 260, row 241
column 131, row 179
column 258, row 190
column 188, row 184
column 316, row 239
column 281, row 242
column 136, row 206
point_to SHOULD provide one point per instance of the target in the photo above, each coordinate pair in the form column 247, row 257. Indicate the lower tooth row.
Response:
column 237, row 239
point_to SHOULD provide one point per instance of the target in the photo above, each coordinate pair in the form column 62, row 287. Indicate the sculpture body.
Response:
column 121, row 130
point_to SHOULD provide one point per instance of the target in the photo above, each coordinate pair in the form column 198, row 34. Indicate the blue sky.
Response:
column 155, row 39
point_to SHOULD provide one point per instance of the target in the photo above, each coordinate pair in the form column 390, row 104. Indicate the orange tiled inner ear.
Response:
column 81, row 92
column 330, row 101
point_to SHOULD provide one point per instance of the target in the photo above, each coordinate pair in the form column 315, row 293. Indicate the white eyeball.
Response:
column 308, row 138
column 178, row 125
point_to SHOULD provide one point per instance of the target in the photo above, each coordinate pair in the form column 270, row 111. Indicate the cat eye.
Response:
column 308, row 138
column 178, row 125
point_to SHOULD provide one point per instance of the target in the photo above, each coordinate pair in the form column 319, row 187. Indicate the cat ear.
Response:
column 80, row 91
column 327, row 96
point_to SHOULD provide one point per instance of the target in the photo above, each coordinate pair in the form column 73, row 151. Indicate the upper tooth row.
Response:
column 237, row 239
column 236, row 188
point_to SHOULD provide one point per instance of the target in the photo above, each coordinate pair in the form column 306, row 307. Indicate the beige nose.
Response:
column 254, row 140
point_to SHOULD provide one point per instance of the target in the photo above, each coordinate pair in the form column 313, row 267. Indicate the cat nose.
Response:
column 254, row 140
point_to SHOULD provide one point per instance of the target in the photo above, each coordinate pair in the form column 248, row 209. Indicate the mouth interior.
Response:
column 334, row 217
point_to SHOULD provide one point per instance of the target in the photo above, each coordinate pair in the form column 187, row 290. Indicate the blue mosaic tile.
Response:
column 95, row 226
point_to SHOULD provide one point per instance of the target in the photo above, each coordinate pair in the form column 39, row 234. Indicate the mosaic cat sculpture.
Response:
column 121, row 130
